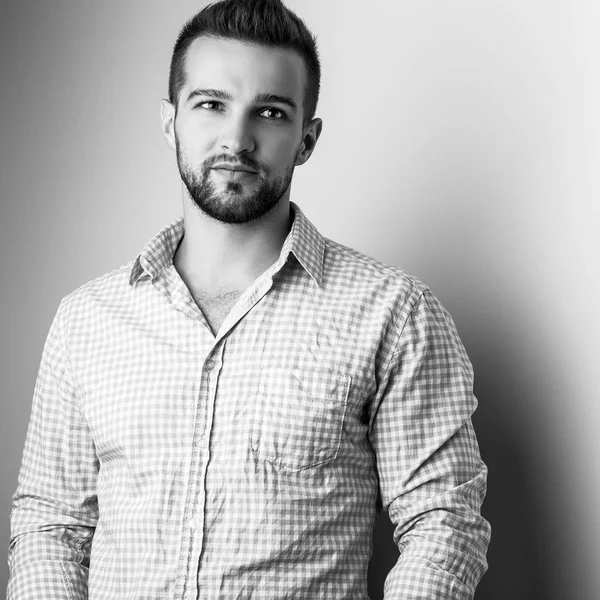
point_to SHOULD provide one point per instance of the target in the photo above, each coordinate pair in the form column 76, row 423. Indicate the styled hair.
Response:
column 263, row 22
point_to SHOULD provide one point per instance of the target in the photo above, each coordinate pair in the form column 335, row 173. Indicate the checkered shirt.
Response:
column 163, row 461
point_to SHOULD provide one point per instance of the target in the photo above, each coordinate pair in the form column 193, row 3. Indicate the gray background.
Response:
column 461, row 141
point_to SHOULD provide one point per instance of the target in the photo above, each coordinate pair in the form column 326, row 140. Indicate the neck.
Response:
column 216, row 256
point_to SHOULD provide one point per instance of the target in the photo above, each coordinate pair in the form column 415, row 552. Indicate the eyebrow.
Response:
column 211, row 93
column 258, row 99
column 276, row 99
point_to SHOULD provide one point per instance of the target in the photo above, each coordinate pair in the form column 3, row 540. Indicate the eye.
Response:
column 211, row 105
column 272, row 113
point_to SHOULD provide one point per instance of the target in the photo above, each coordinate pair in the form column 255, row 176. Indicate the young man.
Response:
column 224, row 416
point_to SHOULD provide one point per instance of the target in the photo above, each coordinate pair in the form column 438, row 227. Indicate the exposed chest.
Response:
column 216, row 306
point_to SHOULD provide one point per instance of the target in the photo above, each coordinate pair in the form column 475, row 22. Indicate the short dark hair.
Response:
column 264, row 22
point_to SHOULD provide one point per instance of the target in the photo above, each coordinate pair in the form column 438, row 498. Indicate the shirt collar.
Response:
column 304, row 241
column 158, row 253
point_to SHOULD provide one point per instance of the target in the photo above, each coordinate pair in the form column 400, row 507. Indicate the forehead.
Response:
column 244, row 68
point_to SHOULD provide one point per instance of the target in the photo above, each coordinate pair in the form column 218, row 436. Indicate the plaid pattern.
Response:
column 164, row 462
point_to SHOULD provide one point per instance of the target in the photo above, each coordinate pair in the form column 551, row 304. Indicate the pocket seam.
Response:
column 262, row 392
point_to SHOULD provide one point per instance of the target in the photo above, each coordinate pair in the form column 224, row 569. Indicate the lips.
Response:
column 233, row 168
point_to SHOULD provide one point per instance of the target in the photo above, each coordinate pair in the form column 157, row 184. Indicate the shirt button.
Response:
column 209, row 365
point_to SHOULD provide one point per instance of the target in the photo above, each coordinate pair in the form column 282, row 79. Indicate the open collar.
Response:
column 304, row 241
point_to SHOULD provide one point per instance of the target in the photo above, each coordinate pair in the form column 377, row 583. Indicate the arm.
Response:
column 432, row 478
column 54, row 507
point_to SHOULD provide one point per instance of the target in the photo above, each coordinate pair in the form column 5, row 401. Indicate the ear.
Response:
column 167, row 115
column 311, row 134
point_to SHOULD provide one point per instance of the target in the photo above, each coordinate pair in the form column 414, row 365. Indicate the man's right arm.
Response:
column 55, row 507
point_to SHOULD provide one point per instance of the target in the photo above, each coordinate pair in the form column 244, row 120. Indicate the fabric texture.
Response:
column 163, row 461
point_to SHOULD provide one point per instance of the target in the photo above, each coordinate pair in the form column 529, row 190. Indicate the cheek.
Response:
column 196, row 135
column 285, row 150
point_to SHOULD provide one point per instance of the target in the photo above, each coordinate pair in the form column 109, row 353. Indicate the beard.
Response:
column 232, row 205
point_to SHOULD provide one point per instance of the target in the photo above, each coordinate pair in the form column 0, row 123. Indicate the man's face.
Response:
column 238, row 129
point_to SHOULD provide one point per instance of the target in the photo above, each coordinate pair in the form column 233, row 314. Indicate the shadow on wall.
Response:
column 521, row 537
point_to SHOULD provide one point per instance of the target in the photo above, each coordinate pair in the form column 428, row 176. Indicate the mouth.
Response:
column 233, row 168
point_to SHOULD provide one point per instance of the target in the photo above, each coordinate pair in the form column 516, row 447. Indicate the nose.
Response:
column 237, row 136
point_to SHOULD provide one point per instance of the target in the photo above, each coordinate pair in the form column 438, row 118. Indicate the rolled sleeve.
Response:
column 432, row 478
column 54, row 510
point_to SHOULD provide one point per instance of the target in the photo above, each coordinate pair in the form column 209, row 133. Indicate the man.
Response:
column 224, row 416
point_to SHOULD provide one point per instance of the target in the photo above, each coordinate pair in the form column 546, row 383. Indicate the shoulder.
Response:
column 398, row 298
column 357, row 273
column 107, row 289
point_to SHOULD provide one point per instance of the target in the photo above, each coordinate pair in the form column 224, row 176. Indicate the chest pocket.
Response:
column 299, row 417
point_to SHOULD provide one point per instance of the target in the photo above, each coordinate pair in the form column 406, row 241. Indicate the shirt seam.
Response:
column 401, row 332
column 67, row 356
column 66, row 581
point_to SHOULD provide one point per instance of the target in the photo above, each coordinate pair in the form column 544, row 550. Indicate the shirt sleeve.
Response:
column 54, row 509
column 432, row 479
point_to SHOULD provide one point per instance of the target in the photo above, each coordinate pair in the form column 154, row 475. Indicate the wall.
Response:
column 461, row 141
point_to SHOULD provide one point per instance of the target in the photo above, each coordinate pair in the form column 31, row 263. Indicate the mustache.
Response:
column 241, row 160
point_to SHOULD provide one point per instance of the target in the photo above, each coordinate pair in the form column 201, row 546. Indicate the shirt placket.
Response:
column 186, row 586
column 193, row 534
